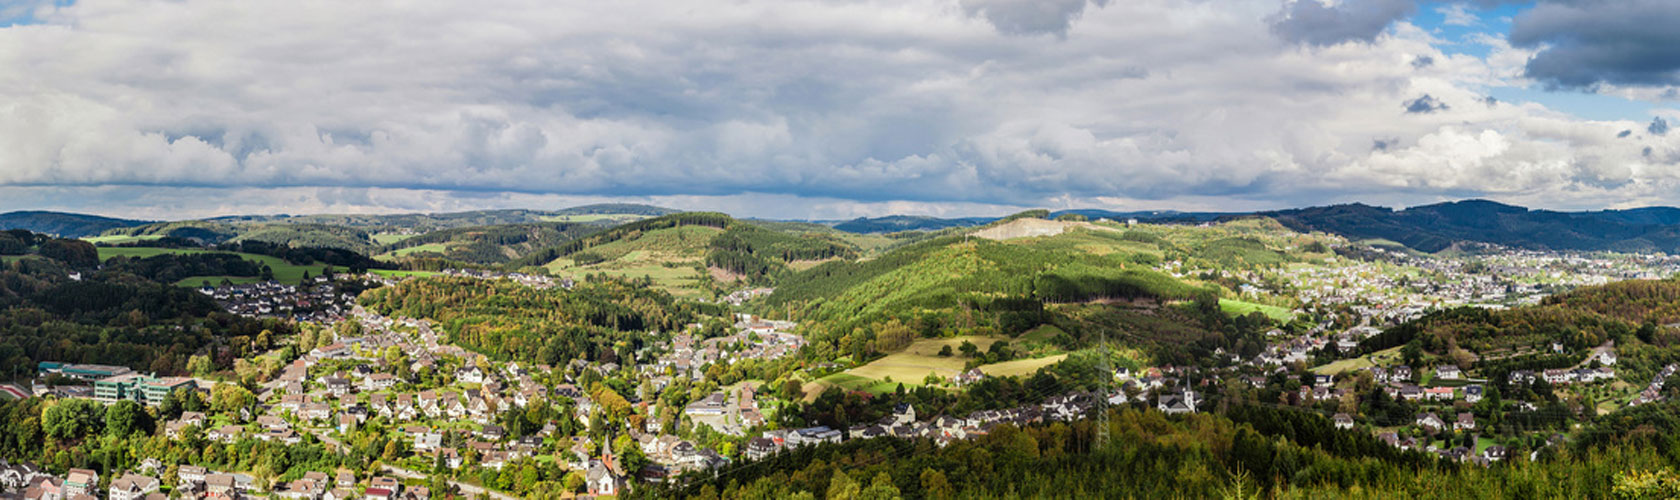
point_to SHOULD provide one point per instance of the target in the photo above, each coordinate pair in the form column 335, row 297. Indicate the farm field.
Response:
column 1020, row 367
column 284, row 272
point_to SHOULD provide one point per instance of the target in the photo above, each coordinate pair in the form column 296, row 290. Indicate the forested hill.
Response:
column 1432, row 228
column 63, row 224
column 276, row 233
column 747, row 251
column 58, row 302
column 492, row 244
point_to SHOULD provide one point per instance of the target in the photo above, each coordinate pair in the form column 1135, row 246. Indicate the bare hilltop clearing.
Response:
column 1031, row 227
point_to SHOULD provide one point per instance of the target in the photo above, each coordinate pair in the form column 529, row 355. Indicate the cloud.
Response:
column 1425, row 104
column 1457, row 14
column 789, row 108
column 1584, row 43
column 1318, row 23
column 1423, row 62
column 1624, row 133
column 1030, row 17
column 1658, row 126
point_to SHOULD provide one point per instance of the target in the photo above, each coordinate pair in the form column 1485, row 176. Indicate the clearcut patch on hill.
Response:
column 1030, row 228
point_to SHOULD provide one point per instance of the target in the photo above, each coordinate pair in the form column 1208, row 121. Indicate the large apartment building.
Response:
column 144, row 389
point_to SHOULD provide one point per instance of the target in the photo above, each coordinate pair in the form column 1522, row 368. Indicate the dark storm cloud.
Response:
column 1030, row 17
column 1425, row 104
column 1314, row 22
column 1590, row 42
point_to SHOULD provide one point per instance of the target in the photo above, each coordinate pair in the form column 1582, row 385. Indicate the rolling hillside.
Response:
column 421, row 223
column 277, row 233
column 488, row 244
column 1433, row 228
column 689, row 253
column 64, row 225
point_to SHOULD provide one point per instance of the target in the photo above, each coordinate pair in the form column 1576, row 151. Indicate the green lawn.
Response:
column 284, row 272
column 1239, row 308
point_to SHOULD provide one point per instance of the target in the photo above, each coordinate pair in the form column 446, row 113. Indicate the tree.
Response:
column 232, row 399
column 199, row 365
column 1412, row 353
column 629, row 454
column 945, row 352
column 842, row 487
column 935, row 485
column 573, row 481
column 881, row 488
column 73, row 419
column 792, row 390
column 76, row 253
column 968, row 349
column 126, row 417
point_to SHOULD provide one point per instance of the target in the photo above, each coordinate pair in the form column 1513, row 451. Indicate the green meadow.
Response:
column 284, row 272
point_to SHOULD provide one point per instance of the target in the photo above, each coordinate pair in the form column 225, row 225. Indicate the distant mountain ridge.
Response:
column 896, row 223
column 1432, row 228
column 65, row 225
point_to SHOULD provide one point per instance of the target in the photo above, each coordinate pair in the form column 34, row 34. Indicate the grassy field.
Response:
column 1239, row 308
column 909, row 367
column 118, row 240
column 1343, row 366
column 389, row 238
column 429, row 247
column 284, row 272
column 1020, row 367
column 402, row 274
column 1384, row 357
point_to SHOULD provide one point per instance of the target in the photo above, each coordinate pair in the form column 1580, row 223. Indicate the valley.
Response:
column 661, row 354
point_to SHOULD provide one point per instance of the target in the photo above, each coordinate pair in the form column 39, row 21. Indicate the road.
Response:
column 467, row 489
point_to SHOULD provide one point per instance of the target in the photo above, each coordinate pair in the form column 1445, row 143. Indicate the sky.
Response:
column 829, row 109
